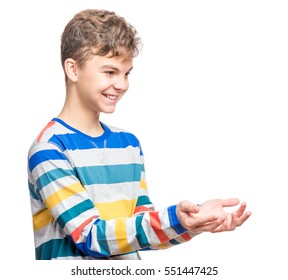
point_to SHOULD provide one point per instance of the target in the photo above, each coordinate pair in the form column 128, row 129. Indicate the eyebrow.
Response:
column 114, row 68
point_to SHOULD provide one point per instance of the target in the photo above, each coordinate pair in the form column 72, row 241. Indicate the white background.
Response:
column 208, row 101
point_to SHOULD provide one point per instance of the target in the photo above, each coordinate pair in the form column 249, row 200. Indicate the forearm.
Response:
column 123, row 235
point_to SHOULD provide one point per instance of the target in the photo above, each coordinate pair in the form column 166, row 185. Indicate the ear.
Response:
column 71, row 69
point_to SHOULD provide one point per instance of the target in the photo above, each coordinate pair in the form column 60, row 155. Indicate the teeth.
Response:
column 112, row 97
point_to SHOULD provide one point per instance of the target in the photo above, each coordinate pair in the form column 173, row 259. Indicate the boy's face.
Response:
column 102, row 82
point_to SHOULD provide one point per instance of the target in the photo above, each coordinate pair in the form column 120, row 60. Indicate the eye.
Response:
column 109, row 73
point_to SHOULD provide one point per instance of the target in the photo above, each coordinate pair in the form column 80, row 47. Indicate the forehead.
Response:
column 119, row 62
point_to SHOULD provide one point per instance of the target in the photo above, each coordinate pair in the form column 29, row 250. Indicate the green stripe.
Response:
column 143, row 200
column 74, row 211
column 101, row 238
column 140, row 233
column 57, row 248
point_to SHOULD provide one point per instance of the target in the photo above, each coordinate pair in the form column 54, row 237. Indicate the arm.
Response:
column 61, row 197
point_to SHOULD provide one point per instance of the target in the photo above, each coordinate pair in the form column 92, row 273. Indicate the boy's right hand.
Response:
column 189, row 218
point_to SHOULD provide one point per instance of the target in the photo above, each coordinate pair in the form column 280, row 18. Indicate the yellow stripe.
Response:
column 121, row 236
column 143, row 184
column 42, row 219
column 117, row 209
column 163, row 246
column 62, row 194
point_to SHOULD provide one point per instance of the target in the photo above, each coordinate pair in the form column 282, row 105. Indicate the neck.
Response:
column 90, row 126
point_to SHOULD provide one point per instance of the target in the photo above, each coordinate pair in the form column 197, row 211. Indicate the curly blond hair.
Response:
column 98, row 32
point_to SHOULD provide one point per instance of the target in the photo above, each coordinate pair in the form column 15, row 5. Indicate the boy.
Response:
column 87, row 184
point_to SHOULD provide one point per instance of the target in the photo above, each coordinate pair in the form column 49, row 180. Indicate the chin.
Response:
column 110, row 111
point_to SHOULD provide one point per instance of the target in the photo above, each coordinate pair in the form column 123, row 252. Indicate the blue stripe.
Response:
column 43, row 156
column 79, row 140
column 174, row 221
column 109, row 174
column 174, row 242
column 83, row 247
column 74, row 211
column 101, row 239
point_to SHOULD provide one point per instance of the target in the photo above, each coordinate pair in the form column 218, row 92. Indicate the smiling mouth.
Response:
column 111, row 97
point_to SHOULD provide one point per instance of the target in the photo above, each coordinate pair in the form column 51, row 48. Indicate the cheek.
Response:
column 102, row 83
column 120, row 97
column 96, row 84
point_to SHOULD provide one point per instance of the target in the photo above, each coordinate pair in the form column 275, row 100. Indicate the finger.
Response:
column 234, row 223
column 229, row 202
column 210, row 227
column 235, row 220
column 195, row 208
column 241, row 209
column 243, row 218
column 209, row 219
column 199, row 221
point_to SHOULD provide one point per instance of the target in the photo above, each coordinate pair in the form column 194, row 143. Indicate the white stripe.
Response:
column 113, row 192
column 94, row 244
column 111, row 237
column 47, row 166
column 111, row 156
column 165, row 224
column 77, row 221
column 58, row 185
column 47, row 233
column 131, row 233
column 150, row 234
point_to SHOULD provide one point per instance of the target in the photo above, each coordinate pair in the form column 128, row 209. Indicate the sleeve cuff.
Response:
column 174, row 221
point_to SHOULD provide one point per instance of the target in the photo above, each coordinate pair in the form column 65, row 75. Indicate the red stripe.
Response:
column 77, row 232
column 44, row 129
column 141, row 209
column 186, row 236
column 156, row 225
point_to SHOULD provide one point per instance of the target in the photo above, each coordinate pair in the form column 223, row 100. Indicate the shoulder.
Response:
column 47, row 136
column 114, row 128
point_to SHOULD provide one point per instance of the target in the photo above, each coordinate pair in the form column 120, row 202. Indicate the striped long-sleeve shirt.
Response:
column 89, row 197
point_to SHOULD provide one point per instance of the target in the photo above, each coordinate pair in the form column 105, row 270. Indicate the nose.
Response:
column 121, row 84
